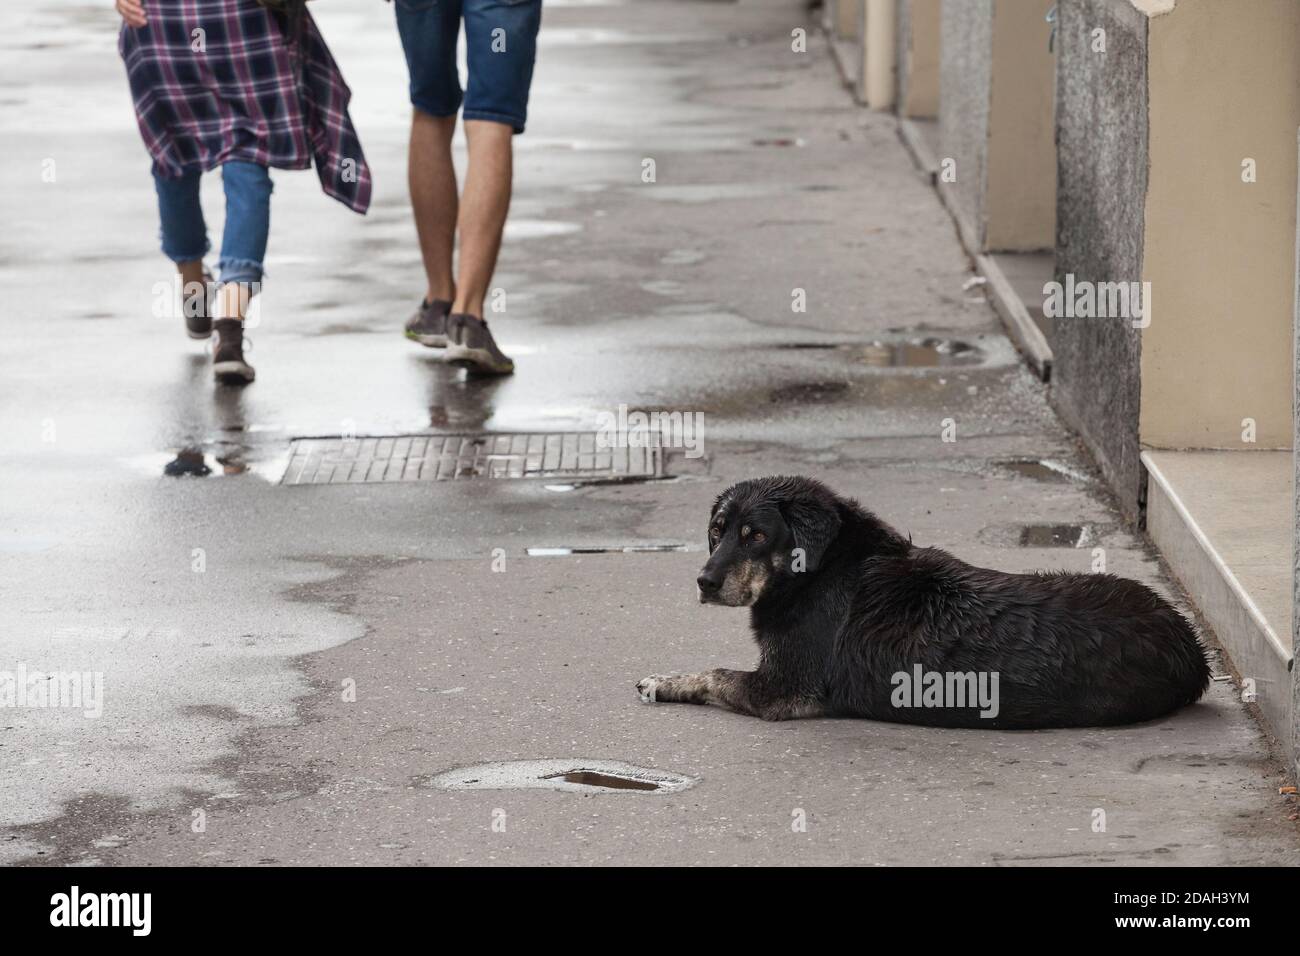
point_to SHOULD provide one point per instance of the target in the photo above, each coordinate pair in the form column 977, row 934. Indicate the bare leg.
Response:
column 741, row 691
column 431, row 177
column 483, row 211
column 232, row 300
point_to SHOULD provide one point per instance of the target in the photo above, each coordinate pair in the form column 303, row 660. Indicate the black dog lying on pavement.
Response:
column 851, row 620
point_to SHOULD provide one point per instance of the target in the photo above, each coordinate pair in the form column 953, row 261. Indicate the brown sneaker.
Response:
column 428, row 325
column 228, row 365
column 471, row 346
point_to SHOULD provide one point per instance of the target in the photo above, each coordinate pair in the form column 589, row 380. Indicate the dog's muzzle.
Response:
column 739, row 587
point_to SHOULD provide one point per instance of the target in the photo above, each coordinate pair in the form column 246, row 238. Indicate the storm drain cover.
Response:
column 570, row 455
column 571, row 776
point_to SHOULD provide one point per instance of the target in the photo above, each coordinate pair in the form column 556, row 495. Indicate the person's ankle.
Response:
column 468, row 308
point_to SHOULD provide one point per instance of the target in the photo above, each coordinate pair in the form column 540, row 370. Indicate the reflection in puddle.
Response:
column 188, row 461
column 191, row 462
column 594, row 778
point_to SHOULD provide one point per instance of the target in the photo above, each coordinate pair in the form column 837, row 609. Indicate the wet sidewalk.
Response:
column 288, row 669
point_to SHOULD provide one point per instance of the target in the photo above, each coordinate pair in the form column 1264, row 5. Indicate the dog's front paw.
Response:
column 679, row 688
column 652, row 688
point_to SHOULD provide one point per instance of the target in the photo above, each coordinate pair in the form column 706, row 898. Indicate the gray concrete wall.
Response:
column 1101, row 128
column 965, row 81
column 903, row 48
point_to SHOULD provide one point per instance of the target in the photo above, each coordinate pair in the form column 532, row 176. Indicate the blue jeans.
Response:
column 248, row 220
column 500, row 47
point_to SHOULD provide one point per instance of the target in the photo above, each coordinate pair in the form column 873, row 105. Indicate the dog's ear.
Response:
column 814, row 524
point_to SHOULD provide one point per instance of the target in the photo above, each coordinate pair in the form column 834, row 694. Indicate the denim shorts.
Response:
column 500, row 47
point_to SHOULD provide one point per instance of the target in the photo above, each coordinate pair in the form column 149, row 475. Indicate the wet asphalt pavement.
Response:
column 293, row 667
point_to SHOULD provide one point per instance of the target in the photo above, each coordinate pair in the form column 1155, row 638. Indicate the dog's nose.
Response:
column 708, row 585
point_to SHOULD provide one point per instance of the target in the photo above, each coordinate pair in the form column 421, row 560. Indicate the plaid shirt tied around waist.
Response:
column 221, row 80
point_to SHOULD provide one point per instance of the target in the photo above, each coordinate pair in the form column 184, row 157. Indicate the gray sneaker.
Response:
column 428, row 325
column 472, row 347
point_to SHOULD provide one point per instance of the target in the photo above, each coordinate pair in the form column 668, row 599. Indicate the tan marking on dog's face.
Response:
column 744, row 584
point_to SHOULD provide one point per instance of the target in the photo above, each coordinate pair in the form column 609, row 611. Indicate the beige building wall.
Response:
column 922, row 98
column 845, row 18
column 1020, row 203
column 1224, row 87
column 879, row 43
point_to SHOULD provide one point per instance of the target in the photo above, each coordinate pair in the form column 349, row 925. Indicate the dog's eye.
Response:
column 758, row 537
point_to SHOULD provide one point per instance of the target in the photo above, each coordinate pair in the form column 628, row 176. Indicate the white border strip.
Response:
column 1225, row 572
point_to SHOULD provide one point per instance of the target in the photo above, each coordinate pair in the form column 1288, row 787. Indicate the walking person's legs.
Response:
column 501, row 38
column 243, row 249
column 185, row 243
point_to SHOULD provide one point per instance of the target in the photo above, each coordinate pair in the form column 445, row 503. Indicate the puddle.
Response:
column 708, row 192
column 919, row 353
column 1055, row 535
column 187, row 463
column 682, row 257
column 25, row 544
column 809, row 393
column 569, row 776
column 1042, row 535
column 539, row 229
column 192, row 463
column 597, row 549
column 1045, row 470
column 930, row 352
column 663, row 287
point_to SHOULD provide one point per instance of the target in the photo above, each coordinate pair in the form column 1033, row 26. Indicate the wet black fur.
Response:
column 1071, row 650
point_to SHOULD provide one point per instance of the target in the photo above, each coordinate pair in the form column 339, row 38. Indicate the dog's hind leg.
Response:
column 741, row 691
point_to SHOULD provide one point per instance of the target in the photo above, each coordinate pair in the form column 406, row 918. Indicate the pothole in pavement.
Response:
column 568, row 776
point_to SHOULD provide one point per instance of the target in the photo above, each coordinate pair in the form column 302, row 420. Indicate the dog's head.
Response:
column 765, row 531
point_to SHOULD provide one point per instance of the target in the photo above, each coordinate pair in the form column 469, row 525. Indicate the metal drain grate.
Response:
column 574, row 455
